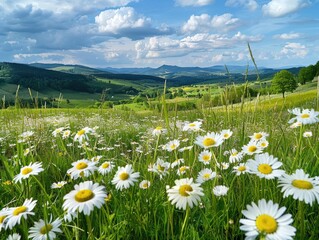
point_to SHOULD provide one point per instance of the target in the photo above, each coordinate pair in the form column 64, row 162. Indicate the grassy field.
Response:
column 42, row 147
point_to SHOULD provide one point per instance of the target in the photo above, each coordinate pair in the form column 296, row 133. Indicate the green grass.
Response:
column 125, row 137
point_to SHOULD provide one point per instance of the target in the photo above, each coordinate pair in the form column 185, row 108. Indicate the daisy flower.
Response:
column 172, row 145
column 82, row 168
column 193, row 126
column 14, row 236
column 27, row 171
column 185, row 193
column 66, row 134
column 300, row 186
column 307, row 134
column 58, row 184
column 205, row 175
column 177, row 162
column 304, row 116
column 145, row 184
column 205, row 157
column 43, row 231
column 220, row 190
column 241, row 169
column 265, row 166
column 84, row 197
column 160, row 167
column 251, row 148
column 125, row 177
column 223, row 165
column 259, row 136
column 106, row 167
column 295, row 125
column 81, row 135
column 182, row 170
column 211, row 139
column 3, row 215
column 96, row 158
column 158, row 131
column 226, row 134
column 57, row 131
column 16, row 213
column 263, row 143
column 267, row 221
column 235, row 156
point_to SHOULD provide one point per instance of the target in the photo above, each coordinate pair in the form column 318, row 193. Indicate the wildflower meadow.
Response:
column 250, row 172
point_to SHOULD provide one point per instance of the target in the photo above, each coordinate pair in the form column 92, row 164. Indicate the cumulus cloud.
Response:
column 205, row 23
column 279, row 8
column 287, row 36
column 126, row 22
column 292, row 50
column 249, row 4
column 185, row 3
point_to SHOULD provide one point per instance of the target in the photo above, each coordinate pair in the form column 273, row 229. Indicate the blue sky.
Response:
column 150, row 33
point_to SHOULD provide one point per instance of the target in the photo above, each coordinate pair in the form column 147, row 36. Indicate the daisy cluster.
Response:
column 192, row 165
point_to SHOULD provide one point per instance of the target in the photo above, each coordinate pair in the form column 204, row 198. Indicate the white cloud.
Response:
column 287, row 36
column 115, row 20
column 250, row 4
column 205, row 23
column 279, row 8
column 292, row 50
column 185, row 3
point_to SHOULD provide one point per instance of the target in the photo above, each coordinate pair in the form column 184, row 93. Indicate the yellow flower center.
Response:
column 184, row 189
column 124, row 176
column 160, row 168
column 84, row 195
column 81, row 132
column 26, row 171
column 206, row 176
column 226, row 135
column 158, row 128
column 145, row 185
column 252, row 148
column 173, row 146
column 206, row 158
column 105, row 165
column 241, row 168
column 234, row 154
column 266, row 224
column 45, row 229
column 2, row 218
column 209, row 142
column 19, row 210
column 192, row 125
column 182, row 169
column 302, row 184
column 305, row 115
column 81, row 165
column 258, row 135
column 265, row 168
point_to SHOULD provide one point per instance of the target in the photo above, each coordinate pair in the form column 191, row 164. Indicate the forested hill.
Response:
column 40, row 79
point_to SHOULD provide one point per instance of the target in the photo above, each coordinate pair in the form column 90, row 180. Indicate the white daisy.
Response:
column 16, row 213
column 172, row 145
column 211, row 139
column 58, row 184
column 14, row 236
column 307, row 134
column 57, row 131
column 205, row 157
column 259, row 136
column 227, row 133
column 205, row 175
column 96, row 158
column 84, row 197
column 43, row 231
column 66, row 134
column 182, row 170
column 304, row 116
column 82, row 135
column 235, row 156
column 252, row 147
column 3, row 217
column 220, row 190
column 106, row 167
column 185, row 193
column 241, row 169
column 27, row 171
column 267, row 221
column 145, row 184
column 193, row 126
column 160, row 167
column 125, row 177
column 265, row 166
column 300, row 186
column 177, row 162
column 82, row 168
column 158, row 131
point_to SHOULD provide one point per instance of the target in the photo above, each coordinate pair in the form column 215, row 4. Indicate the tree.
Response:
column 284, row 81
column 306, row 74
